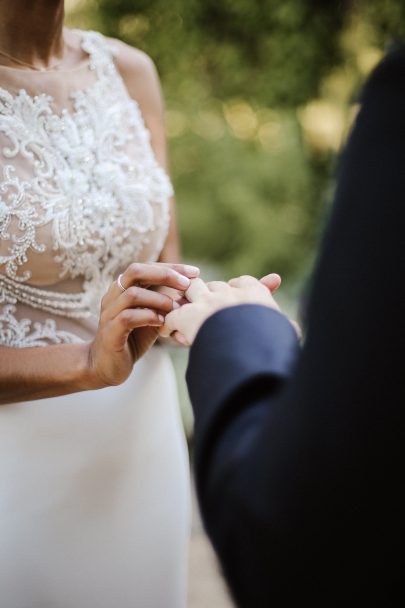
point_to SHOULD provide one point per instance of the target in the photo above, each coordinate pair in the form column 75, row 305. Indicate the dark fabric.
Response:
column 299, row 466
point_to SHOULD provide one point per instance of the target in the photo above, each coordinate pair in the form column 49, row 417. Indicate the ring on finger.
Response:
column 119, row 283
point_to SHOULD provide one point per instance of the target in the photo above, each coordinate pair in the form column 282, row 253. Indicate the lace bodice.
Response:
column 81, row 196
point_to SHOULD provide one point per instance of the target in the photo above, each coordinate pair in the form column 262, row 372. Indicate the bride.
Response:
column 93, row 483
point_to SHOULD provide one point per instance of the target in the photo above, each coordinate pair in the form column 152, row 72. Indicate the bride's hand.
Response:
column 207, row 298
column 129, row 320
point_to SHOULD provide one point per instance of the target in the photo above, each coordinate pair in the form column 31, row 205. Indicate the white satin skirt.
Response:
column 94, row 497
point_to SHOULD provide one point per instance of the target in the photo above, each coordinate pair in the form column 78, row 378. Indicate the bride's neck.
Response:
column 32, row 30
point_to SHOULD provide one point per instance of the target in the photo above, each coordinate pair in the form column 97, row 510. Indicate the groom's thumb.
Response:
column 271, row 281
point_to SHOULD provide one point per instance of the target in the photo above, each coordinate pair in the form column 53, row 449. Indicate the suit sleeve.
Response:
column 298, row 455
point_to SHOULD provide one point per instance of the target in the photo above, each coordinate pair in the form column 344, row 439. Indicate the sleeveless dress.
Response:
column 94, row 494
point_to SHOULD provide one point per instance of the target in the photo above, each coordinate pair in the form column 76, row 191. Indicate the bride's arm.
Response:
column 128, row 326
column 36, row 373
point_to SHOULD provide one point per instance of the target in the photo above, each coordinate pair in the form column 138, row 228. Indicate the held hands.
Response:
column 207, row 298
column 130, row 319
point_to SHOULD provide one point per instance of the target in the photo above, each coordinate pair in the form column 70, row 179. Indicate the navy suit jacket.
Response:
column 299, row 454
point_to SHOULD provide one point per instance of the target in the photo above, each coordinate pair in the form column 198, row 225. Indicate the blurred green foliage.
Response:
column 260, row 95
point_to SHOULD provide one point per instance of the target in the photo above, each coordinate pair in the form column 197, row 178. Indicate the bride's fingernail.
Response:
column 175, row 305
column 184, row 281
column 161, row 318
column 193, row 270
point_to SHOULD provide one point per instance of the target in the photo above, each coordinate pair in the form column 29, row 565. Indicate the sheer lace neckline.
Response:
column 89, row 45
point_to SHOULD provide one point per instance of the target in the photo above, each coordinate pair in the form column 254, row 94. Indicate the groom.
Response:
column 300, row 453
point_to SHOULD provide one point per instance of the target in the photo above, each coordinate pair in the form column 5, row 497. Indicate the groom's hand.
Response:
column 207, row 298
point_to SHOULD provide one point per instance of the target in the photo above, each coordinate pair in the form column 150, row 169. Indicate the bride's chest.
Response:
column 79, row 190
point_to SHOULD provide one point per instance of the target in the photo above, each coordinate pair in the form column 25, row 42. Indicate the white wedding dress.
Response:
column 94, row 495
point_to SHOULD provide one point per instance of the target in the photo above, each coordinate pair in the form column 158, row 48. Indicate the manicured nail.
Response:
column 161, row 318
column 193, row 270
column 184, row 281
column 175, row 305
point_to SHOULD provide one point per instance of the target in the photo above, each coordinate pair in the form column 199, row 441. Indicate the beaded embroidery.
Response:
column 95, row 198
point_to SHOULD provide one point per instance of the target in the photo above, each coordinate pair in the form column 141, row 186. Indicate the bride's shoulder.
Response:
column 137, row 70
column 135, row 67
column 140, row 77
